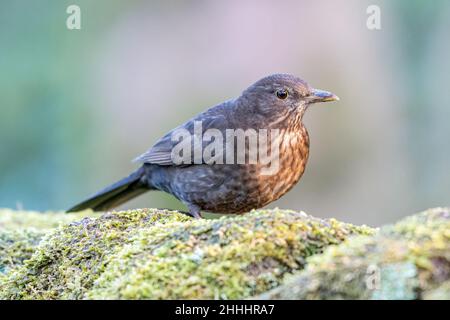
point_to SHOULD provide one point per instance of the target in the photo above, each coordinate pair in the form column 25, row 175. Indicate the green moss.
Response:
column 160, row 254
column 21, row 232
column 16, row 247
column 163, row 254
column 69, row 259
column 408, row 260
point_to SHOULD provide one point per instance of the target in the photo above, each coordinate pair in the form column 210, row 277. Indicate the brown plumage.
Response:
column 277, row 102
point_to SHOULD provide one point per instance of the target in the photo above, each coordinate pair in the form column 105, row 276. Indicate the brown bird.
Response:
column 273, row 107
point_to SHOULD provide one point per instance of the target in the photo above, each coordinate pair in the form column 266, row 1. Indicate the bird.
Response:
column 275, row 103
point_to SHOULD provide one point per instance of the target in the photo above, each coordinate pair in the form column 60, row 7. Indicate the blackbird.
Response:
column 275, row 103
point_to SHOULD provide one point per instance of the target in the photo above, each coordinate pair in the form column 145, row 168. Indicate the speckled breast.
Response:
column 245, row 187
column 293, row 156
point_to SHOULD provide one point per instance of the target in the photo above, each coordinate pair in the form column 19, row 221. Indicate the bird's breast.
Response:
column 234, row 188
column 292, row 159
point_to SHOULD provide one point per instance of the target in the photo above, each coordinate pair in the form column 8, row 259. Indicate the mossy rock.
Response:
column 408, row 260
column 16, row 246
column 159, row 254
column 441, row 292
column 22, row 231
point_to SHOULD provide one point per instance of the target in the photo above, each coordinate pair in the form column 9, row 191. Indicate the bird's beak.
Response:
column 322, row 96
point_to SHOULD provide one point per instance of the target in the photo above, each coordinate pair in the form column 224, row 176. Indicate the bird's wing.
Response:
column 161, row 152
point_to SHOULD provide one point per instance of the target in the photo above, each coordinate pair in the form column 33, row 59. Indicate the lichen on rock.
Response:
column 408, row 260
column 16, row 246
column 159, row 254
column 22, row 231
column 266, row 254
column 69, row 258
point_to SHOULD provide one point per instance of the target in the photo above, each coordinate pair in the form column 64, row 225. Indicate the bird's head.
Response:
column 283, row 94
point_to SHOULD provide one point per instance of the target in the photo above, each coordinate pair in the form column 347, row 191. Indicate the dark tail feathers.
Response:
column 116, row 194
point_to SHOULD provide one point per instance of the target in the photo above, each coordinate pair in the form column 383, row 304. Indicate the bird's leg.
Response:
column 180, row 211
column 194, row 211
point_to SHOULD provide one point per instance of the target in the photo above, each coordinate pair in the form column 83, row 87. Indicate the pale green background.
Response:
column 77, row 106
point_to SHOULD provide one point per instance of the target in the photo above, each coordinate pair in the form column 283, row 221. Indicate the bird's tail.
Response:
column 116, row 194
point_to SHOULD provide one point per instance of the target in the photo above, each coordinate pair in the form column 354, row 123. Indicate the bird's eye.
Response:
column 282, row 94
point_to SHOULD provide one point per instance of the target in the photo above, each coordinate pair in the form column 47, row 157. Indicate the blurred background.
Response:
column 77, row 105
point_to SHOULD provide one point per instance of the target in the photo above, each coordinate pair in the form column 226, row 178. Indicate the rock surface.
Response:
column 159, row 254
column 266, row 254
column 409, row 260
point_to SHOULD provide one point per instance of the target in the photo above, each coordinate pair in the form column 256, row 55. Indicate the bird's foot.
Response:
column 180, row 211
column 194, row 211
